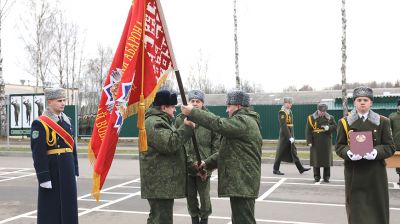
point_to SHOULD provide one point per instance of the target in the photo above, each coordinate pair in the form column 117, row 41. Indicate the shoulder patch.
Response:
column 35, row 134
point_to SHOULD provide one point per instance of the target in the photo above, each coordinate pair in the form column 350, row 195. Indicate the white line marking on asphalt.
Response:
column 16, row 171
column 132, row 187
column 262, row 197
column 109, row 203
column 17, row 217
column 110, row 188
column 87, row 199
column 13, row 178
column 396, row 186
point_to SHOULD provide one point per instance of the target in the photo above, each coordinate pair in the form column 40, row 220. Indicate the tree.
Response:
column 4, row 9
column 306, row 88
column 344, row 58
column 236, row 46
column 197, row 78
column 290, row 89
column 39, row 39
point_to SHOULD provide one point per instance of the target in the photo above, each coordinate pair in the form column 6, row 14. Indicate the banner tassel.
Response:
column 141, row 127
column 96, row 186
column 91, row 156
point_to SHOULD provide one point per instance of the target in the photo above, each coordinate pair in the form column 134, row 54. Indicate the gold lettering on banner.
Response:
column 132, row 44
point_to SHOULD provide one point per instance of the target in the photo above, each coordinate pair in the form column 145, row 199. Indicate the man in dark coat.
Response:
column 40, row 106
column 28, row 110
column 395, row 124
column 56, row 162
column 239, row 157
column 16, row 106
column 286, row 150
column 208, row 142
column 319, row 128
column 366, row 182
column 163, row 166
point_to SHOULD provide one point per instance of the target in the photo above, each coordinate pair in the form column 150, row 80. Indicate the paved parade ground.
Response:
column 292, row 198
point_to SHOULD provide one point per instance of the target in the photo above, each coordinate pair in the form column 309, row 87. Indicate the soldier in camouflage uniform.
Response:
column 366, row 182
column 286, row 150
column 395, row 124
column 239, row 157
column 163, row 166
column 319, row 128
column 207, row 141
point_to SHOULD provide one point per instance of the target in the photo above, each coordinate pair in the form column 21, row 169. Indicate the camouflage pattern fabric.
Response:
column 161, row 211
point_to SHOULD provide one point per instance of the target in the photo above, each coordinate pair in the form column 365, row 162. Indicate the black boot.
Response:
column 204, row 221
column 195, row 220
column 301, row 168
column 277, row 172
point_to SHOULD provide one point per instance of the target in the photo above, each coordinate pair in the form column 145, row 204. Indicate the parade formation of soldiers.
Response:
column 170, row 170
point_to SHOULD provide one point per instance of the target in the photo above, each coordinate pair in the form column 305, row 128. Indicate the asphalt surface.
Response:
column 292, row 198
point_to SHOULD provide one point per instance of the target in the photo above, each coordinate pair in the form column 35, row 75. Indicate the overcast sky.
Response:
column 281, row 43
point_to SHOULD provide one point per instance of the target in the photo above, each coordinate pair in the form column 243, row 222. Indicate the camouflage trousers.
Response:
column 243, row 210
column 161, row 211
column 196, row 185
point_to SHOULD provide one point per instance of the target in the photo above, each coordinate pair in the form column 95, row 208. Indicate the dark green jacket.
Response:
column 395, row 125
column 366, row 183
column 321, row 140
column 207, row 141
column 163, row 166
column 286, row 151
column 239, row 156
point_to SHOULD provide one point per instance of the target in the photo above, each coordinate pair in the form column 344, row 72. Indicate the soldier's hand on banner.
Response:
column 202, row 166
column 46, row 184
column 189, row 123
column 352, row 156
column 291, row 139
column 371, row 155
column 186, row 109
column 326, row 127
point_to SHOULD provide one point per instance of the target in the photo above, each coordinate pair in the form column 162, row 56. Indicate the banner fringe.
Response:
column 91, row 156
column 96, row 186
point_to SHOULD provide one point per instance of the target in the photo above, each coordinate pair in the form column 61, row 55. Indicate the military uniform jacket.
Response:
column 321, row 140
column 366, row 183
column 207, row 141
column 239, row 157
column 395, row 125
column 285, row 148
column 163, row 166
column 59, row 204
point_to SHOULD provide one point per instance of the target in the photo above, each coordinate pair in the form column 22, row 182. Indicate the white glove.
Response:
column 353, row 157
column 310, row 144
column 326, row 127
column 291, row 139
column 46, row 184
column 371, row 155
column 76, row 178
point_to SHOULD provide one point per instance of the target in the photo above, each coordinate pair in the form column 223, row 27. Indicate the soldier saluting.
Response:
column 319, row 128
column 55, row 161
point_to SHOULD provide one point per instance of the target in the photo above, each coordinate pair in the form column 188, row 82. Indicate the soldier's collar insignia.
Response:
column 35, row 134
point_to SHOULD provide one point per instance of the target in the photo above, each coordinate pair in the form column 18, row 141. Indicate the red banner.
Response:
column 133, row 80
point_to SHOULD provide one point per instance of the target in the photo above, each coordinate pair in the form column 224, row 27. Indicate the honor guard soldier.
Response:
column 319, row 128
column 239, row 156
column 163, row 166
column 208, row 144
column 286, row 150
column 55, row 161
column 395, row 124
column 366, row 182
